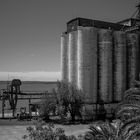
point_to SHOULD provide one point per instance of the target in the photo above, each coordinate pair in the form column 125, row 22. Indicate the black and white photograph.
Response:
column 69, row 69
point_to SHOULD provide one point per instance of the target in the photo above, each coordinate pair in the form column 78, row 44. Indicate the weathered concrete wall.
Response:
column 105, row 65
column 64, row 57
column 100, row 62
column 119, row 65
column 87, row 62
column 72, row 56
column 132, row 58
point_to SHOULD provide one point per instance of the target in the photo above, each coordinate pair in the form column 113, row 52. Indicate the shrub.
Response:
column 42, row 131
column 70, row 100
column 47, row 106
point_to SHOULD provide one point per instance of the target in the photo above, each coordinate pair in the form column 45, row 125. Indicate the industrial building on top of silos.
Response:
column 101, row 58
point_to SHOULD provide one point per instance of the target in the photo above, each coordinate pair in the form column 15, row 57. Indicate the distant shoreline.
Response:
column 2, row 81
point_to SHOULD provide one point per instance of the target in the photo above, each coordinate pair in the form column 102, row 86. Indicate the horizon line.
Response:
column 31, row 76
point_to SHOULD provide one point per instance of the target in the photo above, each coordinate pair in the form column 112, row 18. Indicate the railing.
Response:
column 27, row 95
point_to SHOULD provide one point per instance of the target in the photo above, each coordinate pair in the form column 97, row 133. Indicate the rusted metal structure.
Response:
column 13, row 94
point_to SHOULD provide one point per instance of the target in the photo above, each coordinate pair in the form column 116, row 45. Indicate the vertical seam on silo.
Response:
column 113, row 67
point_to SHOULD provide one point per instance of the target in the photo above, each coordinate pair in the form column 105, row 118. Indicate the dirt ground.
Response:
column 13, row 130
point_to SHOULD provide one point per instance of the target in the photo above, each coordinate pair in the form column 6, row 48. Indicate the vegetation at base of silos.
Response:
column 125, row 127
column 67, row 103
column 127, row 123
column 43, row 131
column 113, row 131
column 70, row 100
column 130, row 106
column 47, row 107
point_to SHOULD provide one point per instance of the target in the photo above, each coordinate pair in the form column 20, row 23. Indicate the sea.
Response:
column 27, row 86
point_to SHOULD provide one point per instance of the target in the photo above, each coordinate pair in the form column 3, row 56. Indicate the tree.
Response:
column 129, row 112
column 130, row 106
column 128, row 127
column 47, row 106
column 114, row 131
column 70, row 99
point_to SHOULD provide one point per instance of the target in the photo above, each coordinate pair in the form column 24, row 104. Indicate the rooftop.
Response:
column 84, row 22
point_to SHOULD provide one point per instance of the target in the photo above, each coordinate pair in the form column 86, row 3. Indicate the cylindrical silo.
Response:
column 132, row 59
column 72, row 56
column 119, row 65
column 87, row 62
column 105, row 64
column 64, row 57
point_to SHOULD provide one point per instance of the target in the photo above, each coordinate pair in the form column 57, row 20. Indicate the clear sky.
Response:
column 30, row 31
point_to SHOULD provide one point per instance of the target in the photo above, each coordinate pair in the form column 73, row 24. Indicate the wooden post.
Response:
column 3, row 104
column 30, row 108
column 13, row 112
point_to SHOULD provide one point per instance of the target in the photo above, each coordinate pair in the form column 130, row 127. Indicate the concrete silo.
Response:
column 99, row 59
column 132, row 58
column 72, row 56
column 105, row 64
column 64, row 57
column 87, row 62
column 119, row 65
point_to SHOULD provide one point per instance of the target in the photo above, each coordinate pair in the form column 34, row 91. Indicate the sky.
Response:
column 30, row 32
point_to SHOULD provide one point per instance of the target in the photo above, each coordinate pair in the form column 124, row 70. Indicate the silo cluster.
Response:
column 102, row 63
